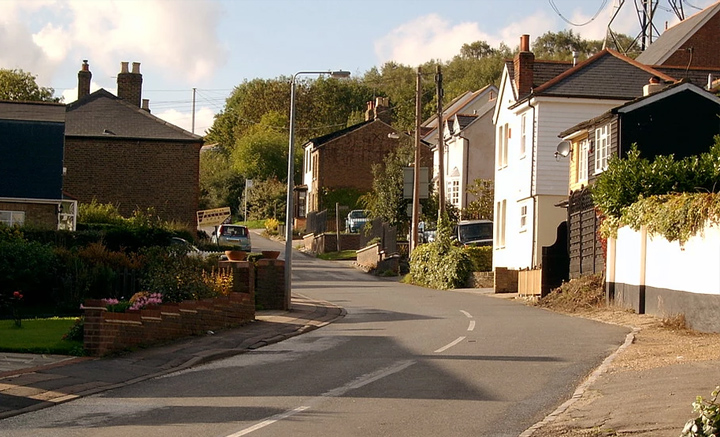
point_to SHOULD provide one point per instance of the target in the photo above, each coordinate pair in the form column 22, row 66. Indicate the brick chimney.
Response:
column 382, row 110
column 129, row 83
column 84, row 78
column 523, row 67
column 370, row 111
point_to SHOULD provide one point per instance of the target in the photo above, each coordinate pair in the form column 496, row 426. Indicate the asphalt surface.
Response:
column 653, row 402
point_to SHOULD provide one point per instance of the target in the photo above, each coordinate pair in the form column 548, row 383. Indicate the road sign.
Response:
column 213, row 217
column 408, row 175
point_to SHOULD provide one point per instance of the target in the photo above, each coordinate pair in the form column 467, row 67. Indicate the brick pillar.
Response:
column 129, row 84
column 84, row 79
column 523, row 66
column 93, row 329
column 270, row 285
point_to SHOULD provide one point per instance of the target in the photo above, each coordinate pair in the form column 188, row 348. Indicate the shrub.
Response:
column 95, row 212
column 432, row 265
column 481, row 258
column 26, row 266
column 708, row 421
column 271, row 226
column 176, row 276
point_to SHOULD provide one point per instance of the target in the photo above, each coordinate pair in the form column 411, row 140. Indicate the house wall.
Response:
column 37, row 215
column 135, row 174
column 481, row 154
column 705, row 44
column 654, row 276
column 538, row 173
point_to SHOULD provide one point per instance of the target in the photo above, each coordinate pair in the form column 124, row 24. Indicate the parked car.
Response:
column 190, row 249
column 474, row 232
column 232, row 235
column 356, row 219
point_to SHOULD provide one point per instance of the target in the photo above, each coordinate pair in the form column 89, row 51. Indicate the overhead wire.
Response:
column 557, row 11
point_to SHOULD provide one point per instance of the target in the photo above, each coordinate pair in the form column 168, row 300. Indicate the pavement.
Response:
column 30, row 382
column 654, row 402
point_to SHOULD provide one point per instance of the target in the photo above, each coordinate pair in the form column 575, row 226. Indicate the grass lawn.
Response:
column 40, row 336
column 338, row 256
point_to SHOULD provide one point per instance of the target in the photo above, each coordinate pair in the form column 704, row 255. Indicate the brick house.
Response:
column 692, row 43
column 343, row 159
column 31, row 168
column 117, row 152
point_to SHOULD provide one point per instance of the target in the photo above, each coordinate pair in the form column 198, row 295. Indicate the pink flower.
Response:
column 17, row 295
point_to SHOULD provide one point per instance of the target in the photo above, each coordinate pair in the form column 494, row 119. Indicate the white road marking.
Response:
column 269, row 421
column 336, row 392
column 471, row 326
column 467, row 314
column 448, row 346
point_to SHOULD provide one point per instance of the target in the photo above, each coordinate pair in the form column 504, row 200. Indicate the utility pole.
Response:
column 193, row 110
column 416, row 170
column 440, row 145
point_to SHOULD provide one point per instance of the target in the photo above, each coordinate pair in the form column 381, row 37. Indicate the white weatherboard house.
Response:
column 537, row 100
column 469, row 139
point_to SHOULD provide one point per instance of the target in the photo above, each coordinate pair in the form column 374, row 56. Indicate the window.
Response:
column 12, row 218
column 502, row 145
column 582, row 162
column 523, row 218
column 602, row 148
column 500, row 228
column 453, row 191
column 523, row 134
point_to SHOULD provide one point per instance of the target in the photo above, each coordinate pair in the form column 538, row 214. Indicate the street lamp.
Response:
column 289, row 215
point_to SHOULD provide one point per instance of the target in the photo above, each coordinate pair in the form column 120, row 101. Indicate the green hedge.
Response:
column 440, row 266
column 481, row 257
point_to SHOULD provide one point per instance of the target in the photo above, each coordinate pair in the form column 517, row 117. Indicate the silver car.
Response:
column 232, row 235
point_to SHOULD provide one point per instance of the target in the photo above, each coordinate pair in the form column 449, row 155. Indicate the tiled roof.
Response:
column 102, row 114
column 543, row 70
column 668, row 91
column 663, row 47
column 464, row 120
column 606, row 75
column 319, row 141
column 697, row 76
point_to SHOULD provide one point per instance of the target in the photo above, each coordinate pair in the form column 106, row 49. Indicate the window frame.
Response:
column 602, row 148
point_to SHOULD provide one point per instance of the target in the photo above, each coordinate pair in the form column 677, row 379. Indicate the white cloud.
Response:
column 425, row 38
column 203, row 119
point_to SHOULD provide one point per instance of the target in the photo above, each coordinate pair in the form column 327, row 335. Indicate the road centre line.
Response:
column 467, row 314
column 448, row 346
column 336, row 392
column 471, row 326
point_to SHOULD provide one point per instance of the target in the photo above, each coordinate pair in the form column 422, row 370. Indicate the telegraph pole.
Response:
column 440, row 145
column 416, row 171
column 193, row 110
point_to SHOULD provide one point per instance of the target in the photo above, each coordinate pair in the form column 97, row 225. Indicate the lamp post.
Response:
column 289, row 214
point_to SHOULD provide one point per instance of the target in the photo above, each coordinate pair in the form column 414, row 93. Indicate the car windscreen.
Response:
column 234, row 231
column 476, row 231
column 358, row 214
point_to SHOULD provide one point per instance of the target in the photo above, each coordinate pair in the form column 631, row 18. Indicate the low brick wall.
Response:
column 506, row 280
column 107, row 332
column 270, row 285
column 327, row 242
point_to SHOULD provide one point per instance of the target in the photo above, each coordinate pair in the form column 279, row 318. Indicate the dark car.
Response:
column 474, row 233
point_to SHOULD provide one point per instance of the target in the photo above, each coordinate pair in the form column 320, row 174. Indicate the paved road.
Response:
column 405, row 361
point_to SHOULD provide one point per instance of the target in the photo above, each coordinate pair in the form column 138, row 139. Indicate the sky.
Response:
column 204, row 48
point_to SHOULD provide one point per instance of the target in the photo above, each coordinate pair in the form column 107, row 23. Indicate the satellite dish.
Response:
column 563, row 149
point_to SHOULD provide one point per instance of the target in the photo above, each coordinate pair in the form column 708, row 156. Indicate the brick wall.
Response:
column 270, row 285
column 135, row 174
column 506, row 281
column 107, row 332
column 705, row 44
column 40, row 215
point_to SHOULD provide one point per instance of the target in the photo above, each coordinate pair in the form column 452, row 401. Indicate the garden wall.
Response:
column 652, row 275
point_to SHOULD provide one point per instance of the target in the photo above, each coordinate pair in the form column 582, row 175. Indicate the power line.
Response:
column 557, row 11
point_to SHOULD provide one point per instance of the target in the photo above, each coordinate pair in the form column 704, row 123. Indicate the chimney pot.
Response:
column 124, row 67
column 525, row 43
column 146, row 104
column 130, row 84
column 136, row 68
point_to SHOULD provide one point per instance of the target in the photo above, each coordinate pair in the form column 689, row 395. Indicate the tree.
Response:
column 220, row 185
column 386, row 200
column 261, row 152
column 20, row 85
column 267, row 199
column 482, row 207
column 560, row 46
column 476, row 50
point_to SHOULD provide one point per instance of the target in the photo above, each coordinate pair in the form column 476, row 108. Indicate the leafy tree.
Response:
column 220, row 185
column 559, row 46
column 261, row 153
column 20, row 85
column 267, row 199
column 482, row 207
column 476, row 50
column 386, row 200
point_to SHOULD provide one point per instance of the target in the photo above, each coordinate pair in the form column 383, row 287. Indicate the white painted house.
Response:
column 537, row 100
column 469, row 139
